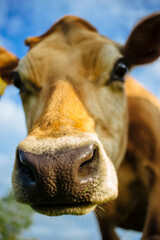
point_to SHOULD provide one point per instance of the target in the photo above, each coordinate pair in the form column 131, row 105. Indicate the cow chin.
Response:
column 69, row 175
column 64, row 209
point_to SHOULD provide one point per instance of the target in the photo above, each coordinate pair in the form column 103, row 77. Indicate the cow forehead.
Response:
column 85, row 52
column 67, row 23
column 64, row 25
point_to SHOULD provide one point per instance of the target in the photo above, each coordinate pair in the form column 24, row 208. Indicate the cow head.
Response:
column 72, row 87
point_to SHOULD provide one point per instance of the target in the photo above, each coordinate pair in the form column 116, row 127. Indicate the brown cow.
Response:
column 72, row 88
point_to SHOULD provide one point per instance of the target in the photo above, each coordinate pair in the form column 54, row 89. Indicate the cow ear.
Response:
column 32, row 41
column 143, row 44
column 8, row 62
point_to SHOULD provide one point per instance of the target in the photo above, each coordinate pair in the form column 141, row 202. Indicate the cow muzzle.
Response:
column 66, row 181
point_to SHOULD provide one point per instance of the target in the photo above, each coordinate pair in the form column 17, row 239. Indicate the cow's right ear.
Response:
column 8, row 62
column 143, row 44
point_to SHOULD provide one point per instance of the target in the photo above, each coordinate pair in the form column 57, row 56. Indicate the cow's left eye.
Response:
column 120, row 69
column 17, row 82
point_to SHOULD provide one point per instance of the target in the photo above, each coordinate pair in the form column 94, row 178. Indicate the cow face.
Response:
column 74, row 111
column 72, row 88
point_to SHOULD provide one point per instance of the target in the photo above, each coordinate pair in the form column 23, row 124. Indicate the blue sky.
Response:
column 20, row 19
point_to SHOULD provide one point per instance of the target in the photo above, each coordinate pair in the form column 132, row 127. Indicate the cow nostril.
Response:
column 27, row 170
column 88, row 167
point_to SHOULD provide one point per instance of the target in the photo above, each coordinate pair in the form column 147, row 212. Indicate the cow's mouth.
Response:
column 57, row 209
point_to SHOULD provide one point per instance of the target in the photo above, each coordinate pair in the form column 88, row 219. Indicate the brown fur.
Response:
column 137, row 205
column 56, row 122
column 73, row 104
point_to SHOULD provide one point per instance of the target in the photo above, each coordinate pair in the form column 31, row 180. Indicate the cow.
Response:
column 90, row 126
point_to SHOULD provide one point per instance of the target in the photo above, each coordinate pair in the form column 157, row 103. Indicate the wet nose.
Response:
column 55, row 173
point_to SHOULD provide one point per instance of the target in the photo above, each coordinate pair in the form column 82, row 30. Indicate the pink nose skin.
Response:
column 62, row 177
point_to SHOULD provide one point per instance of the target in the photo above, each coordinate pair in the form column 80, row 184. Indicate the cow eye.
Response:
column 17, row 82
column 120, row 69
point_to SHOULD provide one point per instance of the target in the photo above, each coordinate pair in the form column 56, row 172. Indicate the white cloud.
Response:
column 99, row 12
column 12, row 119
column 12, row 125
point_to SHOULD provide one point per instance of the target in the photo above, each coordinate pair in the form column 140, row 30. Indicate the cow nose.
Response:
column 70, row 169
